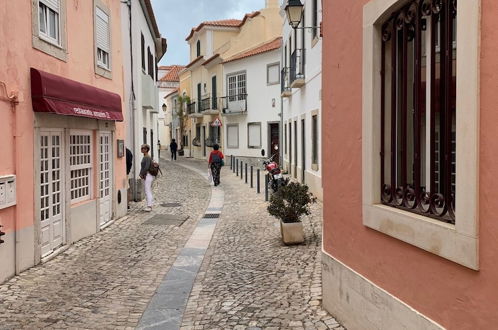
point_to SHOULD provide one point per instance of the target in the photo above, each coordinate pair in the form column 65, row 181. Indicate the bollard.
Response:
column 246, row 173
column 241, row 170
column 252, row 186
column 266, row 187
column 231, row 162
column 237, row 167
column 258, row 190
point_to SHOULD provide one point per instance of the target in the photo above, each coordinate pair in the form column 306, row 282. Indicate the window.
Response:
column 254, row 135
column 314, row 19
column 273, row 73
column 49, row 25
column 237, row 87
column 422, row 132
column 285, row 138
column 150, row 63
column 295, row 147
column 314, row 141
column 233, row 136
column 418, row 111
column 198, row 48
column 80, row 165
column 142, row 39
column 103, row 41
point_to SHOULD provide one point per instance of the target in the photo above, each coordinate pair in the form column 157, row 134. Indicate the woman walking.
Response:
column 147, row 177
column 215, row 162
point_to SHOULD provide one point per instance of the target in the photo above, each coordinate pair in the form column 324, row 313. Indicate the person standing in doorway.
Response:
column 173, row 147
column 215, row 163
column 146, row 176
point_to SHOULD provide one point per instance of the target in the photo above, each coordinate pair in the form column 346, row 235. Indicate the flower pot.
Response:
column 292, row 232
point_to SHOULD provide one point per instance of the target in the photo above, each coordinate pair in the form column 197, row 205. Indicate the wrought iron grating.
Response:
column 211, row 216
column 171, row 204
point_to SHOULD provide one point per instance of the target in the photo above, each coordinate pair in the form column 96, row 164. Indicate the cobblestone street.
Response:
column 247, row 280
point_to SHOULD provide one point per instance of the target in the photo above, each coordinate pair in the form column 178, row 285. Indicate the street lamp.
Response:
column 294, row 12
column 165, row 107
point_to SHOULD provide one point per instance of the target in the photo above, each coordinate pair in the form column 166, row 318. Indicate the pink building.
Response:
column 62, row 170
column 410, row 163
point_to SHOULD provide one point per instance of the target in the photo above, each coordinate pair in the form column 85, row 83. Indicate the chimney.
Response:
column 272, row 4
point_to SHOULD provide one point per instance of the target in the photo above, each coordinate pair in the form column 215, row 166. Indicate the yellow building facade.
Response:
column 202, row 80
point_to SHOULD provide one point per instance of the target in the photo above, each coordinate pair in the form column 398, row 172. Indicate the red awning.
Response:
column 55, row 94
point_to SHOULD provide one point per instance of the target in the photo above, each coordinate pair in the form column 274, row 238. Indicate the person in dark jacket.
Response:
column 215, row 162
column 173, row 147
column 129, row 161
column 146, row 176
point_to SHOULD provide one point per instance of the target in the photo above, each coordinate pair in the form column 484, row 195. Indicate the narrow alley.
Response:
column 247, row 278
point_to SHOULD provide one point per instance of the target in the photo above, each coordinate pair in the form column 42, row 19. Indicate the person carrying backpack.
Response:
column 146, row 176
column 215, row 163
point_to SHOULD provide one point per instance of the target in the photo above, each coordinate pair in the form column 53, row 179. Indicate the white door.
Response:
column 51, row 191
column 105, row 180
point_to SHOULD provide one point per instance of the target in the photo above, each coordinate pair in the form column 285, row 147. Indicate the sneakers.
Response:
column 148, row 209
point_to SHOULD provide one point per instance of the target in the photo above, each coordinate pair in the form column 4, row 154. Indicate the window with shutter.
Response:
column 48, row 20
column 233, row 136
column 102, row 36
column 273, row 74
column 254, row 135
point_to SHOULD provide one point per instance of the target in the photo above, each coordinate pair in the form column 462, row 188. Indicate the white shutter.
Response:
column 102, row 27
column 52, row 4
column 273, row 74
column 254, row 135
column 233, row 136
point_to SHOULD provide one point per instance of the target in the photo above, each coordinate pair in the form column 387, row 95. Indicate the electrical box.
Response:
column 7, row 191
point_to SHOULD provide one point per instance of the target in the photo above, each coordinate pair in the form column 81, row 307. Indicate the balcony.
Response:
column 286, row 90
column 234, row 104
column 193, row 110
column 149, row 93
column 211, row 141
column 209, row 106
column 196, row 142
column 297, row 69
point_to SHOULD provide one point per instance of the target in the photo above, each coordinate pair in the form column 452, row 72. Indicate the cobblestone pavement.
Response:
column 107, row 280
column 249, row 279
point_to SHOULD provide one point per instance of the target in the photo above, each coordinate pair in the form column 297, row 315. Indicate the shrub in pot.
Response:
column 289, row 204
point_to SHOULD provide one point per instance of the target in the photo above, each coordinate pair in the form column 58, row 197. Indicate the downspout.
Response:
column 13, row 99
column 132, row 102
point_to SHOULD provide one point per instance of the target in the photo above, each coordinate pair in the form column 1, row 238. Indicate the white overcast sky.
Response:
column 176, row 18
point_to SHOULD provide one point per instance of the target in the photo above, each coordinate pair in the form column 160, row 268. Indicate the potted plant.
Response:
column 289, row 204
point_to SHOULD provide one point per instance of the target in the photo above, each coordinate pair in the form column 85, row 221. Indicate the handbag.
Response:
column 210, row 176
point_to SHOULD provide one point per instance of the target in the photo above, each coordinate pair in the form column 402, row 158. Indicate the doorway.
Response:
column 105, row 179
column 274, row 138
column 303, row 151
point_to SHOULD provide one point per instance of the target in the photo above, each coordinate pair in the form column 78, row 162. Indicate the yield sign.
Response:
column 216, row 123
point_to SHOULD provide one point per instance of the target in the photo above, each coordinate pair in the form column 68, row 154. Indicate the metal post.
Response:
column 237, row 166
column 231, row 162
column 252, row 185
column 241, row 170
column 246, row 173
column 258, row 182
column 266, row 187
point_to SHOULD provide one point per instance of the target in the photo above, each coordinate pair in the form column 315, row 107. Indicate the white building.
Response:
column 301, row 92
column 168, row 85
column 143, row 47
column 251, row 102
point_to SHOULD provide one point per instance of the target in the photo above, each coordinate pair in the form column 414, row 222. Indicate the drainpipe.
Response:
column 13, row 99
column 132, row 102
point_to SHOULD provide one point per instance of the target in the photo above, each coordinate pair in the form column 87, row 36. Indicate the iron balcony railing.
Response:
column 196, row 142
column 205, row 104
column 211, row 141
column 285, row 80
column 191, row 108
column 297, row 65
column 234, row 103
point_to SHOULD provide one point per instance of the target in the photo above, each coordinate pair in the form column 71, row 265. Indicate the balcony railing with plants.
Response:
column 285, row 82
column 297, row 65
column 234, row 104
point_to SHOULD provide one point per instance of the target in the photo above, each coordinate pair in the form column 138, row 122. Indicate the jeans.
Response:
column 215, row 172
column 148, row 189
column 173, row 155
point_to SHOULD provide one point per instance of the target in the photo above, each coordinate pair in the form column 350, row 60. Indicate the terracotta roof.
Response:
column 172, row 75
column 223, row 23
column 194, row 61
column 173, row 92
column 266, row 47
column 211, row 58
column 166, row 67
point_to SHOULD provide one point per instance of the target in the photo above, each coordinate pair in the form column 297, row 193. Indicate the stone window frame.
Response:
column 99, row 69
column 43, row 44
column 460, row 242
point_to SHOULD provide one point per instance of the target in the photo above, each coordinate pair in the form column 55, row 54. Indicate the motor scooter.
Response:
column 276, row 178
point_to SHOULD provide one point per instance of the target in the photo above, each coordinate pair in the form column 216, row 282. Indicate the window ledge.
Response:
column 431, row 235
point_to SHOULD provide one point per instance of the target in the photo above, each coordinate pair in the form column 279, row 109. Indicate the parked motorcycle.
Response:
column 276, row 178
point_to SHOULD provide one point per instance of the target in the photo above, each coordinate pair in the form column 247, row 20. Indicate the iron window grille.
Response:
column 418, row 109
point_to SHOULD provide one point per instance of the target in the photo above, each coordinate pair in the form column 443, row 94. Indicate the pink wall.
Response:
column 16, row 57
column 452, row 295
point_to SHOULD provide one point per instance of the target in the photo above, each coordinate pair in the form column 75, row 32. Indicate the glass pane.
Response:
column 42, row 13
column 53, row 24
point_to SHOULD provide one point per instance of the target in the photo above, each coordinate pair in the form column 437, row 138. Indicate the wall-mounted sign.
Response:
column 120, row 148
column 216, row 123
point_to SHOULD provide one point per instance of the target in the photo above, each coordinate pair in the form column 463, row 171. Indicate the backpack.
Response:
column 154, row 169
column 216, row 159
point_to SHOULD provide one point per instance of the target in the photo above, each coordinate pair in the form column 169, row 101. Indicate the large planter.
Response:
column 292, row 232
